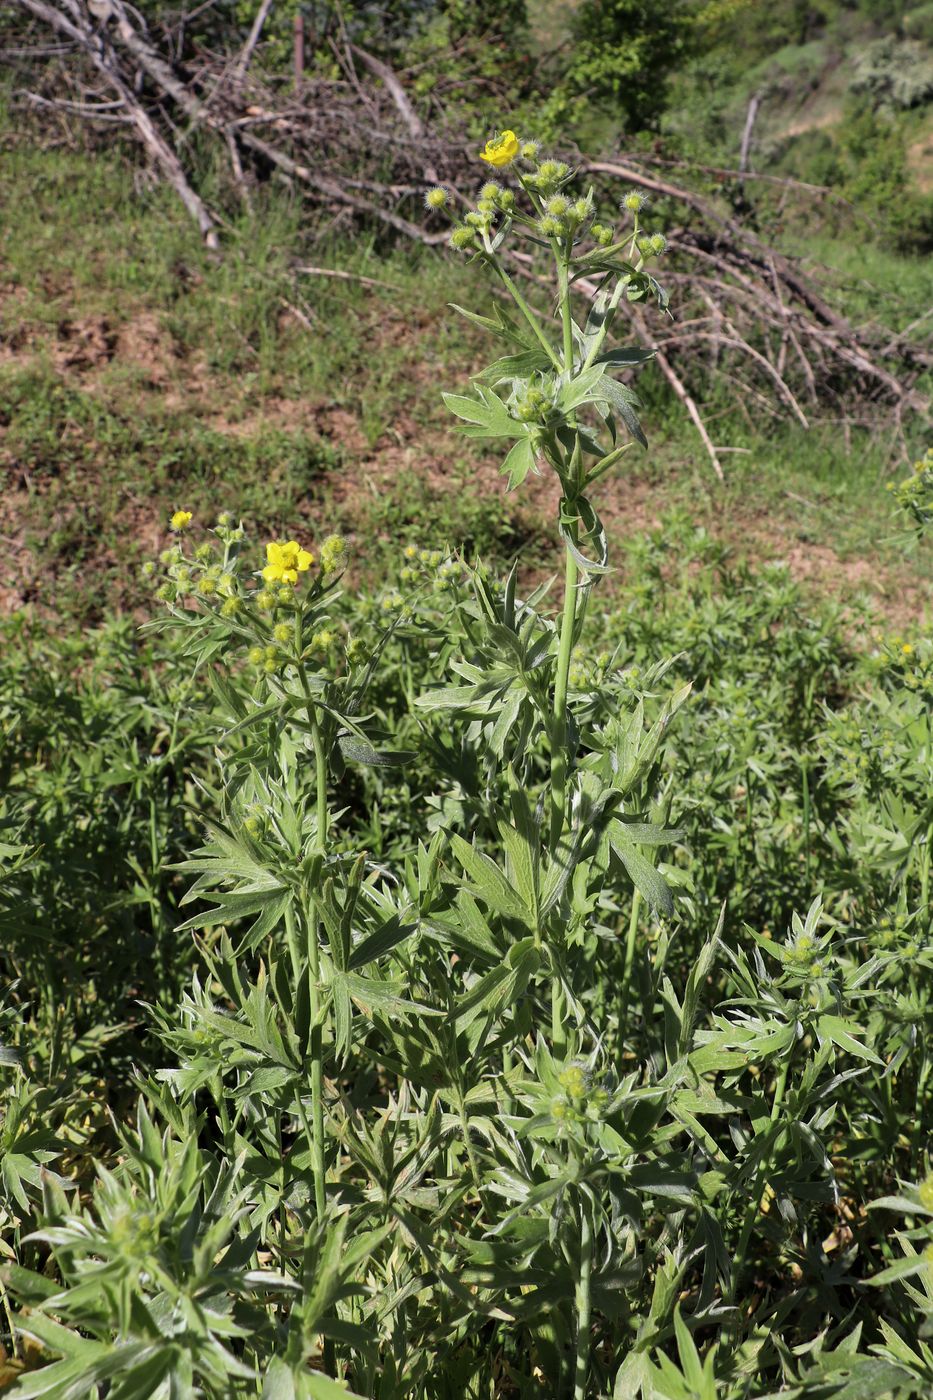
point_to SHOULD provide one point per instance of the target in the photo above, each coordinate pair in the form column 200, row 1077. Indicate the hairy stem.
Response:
column 314, row 974
column 583, row 1302
column 560, row 738
column 527, row 312
column 629, row 963
column 754, row 1204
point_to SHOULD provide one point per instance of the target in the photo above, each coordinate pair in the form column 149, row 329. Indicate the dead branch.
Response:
column 361, row 150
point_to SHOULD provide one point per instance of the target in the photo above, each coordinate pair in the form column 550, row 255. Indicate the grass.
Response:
column 138, row 372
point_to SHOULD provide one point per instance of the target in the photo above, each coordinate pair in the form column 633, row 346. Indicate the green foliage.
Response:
column 436, row 992
column 623, row 53
column 876, row 178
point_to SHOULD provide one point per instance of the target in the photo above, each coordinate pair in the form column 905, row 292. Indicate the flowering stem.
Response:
column 527, row 312
column 583, row 1302
column 314, row 973
column 560, row 738
column 754, row 1204
column 629, row 962
column 563, row 273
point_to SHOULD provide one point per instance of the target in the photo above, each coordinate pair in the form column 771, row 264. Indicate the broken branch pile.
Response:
column 748, row 315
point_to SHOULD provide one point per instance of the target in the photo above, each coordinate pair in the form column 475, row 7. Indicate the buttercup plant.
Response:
column 469, row 1096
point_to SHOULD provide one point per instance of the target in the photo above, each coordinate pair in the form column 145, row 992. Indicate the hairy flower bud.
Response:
column 462, row 238
column 333, row 554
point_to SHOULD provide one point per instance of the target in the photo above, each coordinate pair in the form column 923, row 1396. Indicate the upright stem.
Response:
column 629, row 962
column 754, row 1204
column 560, row 740
column 563, row 276
column 527, row 312
column 583, row 1302
column 806, row 818
column 314, row 974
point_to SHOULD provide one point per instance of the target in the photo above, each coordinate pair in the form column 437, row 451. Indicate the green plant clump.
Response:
column 438, row 993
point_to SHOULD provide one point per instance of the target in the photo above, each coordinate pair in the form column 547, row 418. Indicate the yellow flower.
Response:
column 907, row 649
column 285, row 562
column 181, row 520
column 501, row 150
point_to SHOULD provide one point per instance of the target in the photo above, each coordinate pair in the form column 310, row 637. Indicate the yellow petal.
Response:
column 272, row 572
column 305, row 560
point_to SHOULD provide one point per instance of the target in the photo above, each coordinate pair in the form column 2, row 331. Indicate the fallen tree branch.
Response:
column 102, row 58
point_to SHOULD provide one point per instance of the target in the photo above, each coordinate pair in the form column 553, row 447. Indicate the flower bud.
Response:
column 265, row 600
column 282, row 632
column 333, row 553
column 462, row 238
column 436, row 198
column 256, row 655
